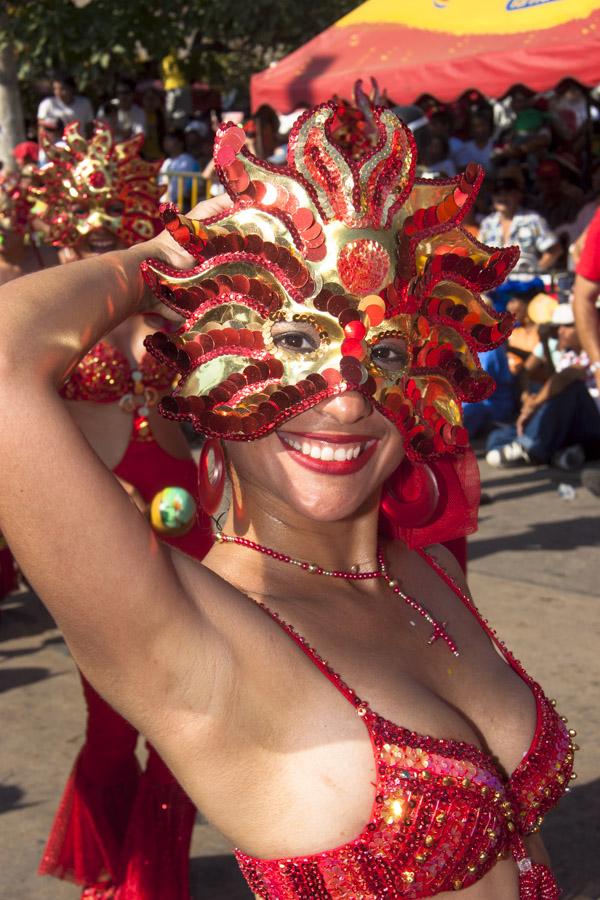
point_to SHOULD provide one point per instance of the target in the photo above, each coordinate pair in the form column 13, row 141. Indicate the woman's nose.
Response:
column 346, row 408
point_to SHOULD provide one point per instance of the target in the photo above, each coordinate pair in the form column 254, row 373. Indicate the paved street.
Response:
column 534, row 572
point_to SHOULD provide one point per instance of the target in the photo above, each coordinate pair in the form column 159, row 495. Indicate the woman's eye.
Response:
column 390, row 355
column 296, row 340
column 80, row 209
column 115, row 208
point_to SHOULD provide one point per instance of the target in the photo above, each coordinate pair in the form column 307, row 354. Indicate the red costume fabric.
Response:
column 442, row 812
column 589, row 263
column 104, row 375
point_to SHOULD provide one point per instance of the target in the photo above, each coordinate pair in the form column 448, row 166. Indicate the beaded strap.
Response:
column 315, row 657
column 514, row 663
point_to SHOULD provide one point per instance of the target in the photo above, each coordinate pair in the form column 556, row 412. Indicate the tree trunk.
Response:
column 12, row 129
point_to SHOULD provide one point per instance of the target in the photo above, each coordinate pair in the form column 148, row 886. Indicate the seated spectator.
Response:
column 124, row 115
column 575, row 231
column 199, row 141
column 529, row 313
column 570, row 114
column 528, row 135
column 435, row 158
column 478, row 148
column 560, row 424
column 441, row 122
column 558, row 200
column 179, row 189
column 64, row 106
column 501, row 406
column 511, row 223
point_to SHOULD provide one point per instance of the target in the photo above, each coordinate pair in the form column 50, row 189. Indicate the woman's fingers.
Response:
column 166, row 247
column 214, row 206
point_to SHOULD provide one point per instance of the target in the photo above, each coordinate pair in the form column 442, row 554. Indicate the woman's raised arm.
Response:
column 85, row 548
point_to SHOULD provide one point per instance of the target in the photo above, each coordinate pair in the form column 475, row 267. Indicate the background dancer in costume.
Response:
column 115, row 827
column 19, row 251
column 19, row 254
column 333, row 327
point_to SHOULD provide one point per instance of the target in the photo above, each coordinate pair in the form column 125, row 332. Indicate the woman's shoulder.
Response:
column 399, row 554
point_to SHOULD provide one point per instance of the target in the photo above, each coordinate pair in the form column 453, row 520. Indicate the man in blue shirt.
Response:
column 501, row 406
column 178, row 160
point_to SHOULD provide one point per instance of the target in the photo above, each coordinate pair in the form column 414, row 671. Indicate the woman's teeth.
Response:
column 324, row 451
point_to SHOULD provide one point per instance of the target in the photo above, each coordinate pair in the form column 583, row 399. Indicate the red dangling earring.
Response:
column 411, row 495
column 211, row 476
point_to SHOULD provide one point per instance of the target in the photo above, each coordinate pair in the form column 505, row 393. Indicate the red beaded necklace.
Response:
column 382, row 571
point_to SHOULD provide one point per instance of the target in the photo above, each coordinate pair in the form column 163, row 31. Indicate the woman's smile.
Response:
column 331, row 454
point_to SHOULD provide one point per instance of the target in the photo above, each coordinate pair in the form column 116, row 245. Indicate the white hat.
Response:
column 195, row 125
column 563, row 315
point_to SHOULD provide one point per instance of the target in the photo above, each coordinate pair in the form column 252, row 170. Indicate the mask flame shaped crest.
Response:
column 368, row 265
column 97, row 186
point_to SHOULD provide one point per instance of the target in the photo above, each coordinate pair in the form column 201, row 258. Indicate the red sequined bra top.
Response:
column 443, row 812
column 105, row 375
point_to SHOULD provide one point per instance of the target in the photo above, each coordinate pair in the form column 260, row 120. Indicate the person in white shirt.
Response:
column 510, row 223
column 479, row 146
column 124, row 116
column 65, row 105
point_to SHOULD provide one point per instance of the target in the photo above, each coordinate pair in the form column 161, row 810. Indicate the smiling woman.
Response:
column 332, row 330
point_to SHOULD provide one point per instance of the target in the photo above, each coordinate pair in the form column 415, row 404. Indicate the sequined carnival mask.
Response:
column 97, row 191
column 331, row 274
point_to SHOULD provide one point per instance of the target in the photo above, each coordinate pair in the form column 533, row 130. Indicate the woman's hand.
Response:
column 527, row 410
column 166, row 248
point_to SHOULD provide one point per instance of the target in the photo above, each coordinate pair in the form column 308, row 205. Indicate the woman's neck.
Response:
column 267, row 520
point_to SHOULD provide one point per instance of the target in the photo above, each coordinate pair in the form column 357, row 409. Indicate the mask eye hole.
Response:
column 80, row 209
column 390, row 354
column 296, row 337
column 114, row 208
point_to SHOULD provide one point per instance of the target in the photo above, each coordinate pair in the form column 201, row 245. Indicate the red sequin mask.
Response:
column 96, row 188
column 329, row 275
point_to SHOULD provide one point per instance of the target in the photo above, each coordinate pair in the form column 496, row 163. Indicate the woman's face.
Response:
column 517, row 307
column 325, row 463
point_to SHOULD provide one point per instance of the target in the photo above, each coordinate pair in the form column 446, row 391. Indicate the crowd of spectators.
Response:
column 174, row 132
column 541, row 157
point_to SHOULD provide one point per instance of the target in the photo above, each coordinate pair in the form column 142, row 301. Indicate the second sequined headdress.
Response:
column 95, row 186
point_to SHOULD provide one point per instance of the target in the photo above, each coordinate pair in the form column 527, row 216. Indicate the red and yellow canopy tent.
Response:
column 440, row 47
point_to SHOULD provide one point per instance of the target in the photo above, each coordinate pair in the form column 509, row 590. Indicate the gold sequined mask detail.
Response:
column 334, row 273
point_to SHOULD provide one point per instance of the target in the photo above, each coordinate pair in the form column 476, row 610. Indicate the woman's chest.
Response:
column 388, row 663
column 311, row 758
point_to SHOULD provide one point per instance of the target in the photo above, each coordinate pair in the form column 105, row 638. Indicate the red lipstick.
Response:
column 330, row 466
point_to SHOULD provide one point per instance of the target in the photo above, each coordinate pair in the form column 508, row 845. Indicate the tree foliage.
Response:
column 223, row 41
